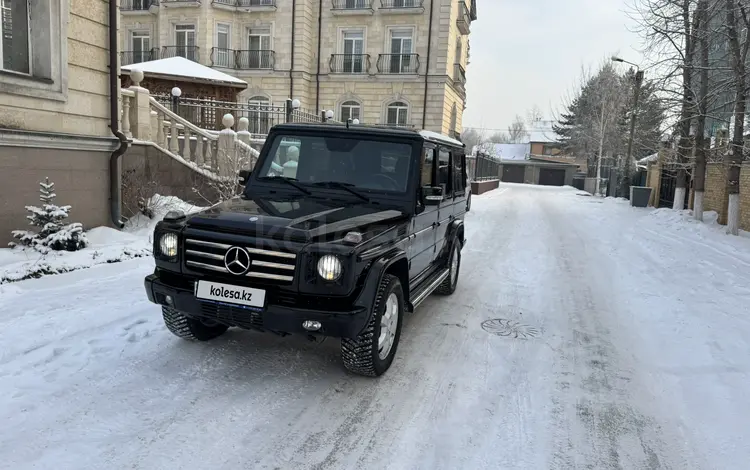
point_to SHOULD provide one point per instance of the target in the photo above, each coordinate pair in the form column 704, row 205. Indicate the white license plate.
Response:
column 230, row 294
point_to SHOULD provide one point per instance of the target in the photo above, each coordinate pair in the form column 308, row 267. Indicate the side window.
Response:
column 444, row 172
column 459, row 176
column 428, row 162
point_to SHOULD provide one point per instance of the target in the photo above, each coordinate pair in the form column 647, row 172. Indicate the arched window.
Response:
column 259, row 114
column 397, row 114
column 350, row 110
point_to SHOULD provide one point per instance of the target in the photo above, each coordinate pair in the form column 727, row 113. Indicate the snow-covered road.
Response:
column 633, row 352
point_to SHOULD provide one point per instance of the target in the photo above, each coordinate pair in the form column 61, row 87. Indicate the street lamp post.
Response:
column 633, row 117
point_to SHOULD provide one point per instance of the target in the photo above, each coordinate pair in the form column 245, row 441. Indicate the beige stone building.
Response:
column 55, row 108
column 400, row 62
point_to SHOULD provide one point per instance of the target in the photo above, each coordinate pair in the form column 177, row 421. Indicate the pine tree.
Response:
column 53, row 235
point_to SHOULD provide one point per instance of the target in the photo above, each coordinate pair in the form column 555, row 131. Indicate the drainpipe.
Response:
column 115, row 193
column 427, row 68
column 291, row 68
column 317, row 73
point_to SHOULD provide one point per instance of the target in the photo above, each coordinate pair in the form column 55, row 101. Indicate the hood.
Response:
column 301, row 220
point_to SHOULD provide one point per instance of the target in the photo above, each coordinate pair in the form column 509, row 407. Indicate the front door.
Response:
column 422, row 244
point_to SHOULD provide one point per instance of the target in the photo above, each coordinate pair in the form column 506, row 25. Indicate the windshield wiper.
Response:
column 287, row 180
column 345, row 187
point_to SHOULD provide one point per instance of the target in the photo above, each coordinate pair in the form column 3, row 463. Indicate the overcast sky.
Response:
column 527, row 52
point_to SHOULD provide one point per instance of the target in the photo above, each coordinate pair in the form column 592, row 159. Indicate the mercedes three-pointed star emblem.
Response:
column 237, row 260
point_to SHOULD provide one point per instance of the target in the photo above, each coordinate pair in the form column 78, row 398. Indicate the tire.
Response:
column 448, row 286
column 361, row 355
column 190, row 328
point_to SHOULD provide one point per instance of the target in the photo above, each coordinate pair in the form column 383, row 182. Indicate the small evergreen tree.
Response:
column 52, row 235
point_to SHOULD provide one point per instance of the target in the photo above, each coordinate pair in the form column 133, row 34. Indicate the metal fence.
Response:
column 483, row 167
column 208, row 113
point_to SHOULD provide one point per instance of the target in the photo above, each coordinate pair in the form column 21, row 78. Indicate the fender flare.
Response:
column 376, row 273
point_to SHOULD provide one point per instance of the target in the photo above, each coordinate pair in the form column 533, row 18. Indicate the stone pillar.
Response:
column 227, row 155
column 242, row 130
column 140, row 110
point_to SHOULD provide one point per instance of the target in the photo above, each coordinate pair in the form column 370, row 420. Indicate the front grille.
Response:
column 228, row 315
column 265, row 264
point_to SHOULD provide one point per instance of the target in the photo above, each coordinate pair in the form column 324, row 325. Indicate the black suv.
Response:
column 339, row 231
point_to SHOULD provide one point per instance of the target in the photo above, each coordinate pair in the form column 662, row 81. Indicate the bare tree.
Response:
column 534, row 115
column 737, row 26
column 517, row 131
column 701, row 142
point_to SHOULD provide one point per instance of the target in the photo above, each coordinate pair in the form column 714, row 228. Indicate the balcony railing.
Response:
column 459, row 75
column 246, row 3
column 136, row 57
column 352, row 4
column 243, row 60
column 464, row 18
column 350, row 63
column 256, row 60
column 137, row 5
column 188, row 52
column 395, row 4
column 398, row 63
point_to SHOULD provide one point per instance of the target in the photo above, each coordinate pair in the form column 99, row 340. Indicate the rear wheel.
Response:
column 448, row 286
column 372, row 352
column 190, row 328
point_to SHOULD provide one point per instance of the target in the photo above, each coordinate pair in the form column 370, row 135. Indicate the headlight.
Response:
column 330, row 268
column 168, row 245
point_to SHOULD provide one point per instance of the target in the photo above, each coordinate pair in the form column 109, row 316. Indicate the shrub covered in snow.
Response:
column 53, row 234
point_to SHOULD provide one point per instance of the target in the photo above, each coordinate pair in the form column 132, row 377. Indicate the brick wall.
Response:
column 716, row 190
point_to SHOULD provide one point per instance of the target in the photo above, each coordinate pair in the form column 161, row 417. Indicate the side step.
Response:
column 427, row 287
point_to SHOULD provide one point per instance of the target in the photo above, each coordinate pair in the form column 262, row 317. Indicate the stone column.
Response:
column 227, row 155
column 140, row 110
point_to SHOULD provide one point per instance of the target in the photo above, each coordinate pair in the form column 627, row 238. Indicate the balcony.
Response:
column 354, row 64
column 351, row 7
column 135, row 7
column 401, row 64
column 402, row 7
column 459, row 76
column 245, row 5
column 136, row 57
column 464, row 19
column 188, row 52
column 180, row 3
column 243, row 60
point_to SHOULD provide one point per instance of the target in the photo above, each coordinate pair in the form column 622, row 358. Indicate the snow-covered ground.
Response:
column 629, row 348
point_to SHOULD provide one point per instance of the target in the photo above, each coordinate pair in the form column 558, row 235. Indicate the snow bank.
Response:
column 106, row 245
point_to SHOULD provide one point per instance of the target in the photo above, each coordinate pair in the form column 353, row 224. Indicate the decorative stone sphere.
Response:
column 176, row 92
column 136, row 76
column 228, row 120
column 244, row 123
column 296, row 103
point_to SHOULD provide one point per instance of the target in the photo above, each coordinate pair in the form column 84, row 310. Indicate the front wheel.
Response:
column 372, row 352
column 190, row 328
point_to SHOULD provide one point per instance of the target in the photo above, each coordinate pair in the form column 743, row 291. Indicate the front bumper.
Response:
column 276, row 318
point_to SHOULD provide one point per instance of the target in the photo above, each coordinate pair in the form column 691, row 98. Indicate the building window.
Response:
column 222, row 56
column 396, row 114
column 259, row 115
column 444, row 172
column 185, row 41
column 350, row 110
column 259, row 45
column 14, row 47
column 402, row 42
column 141, row 44
column 353, row 47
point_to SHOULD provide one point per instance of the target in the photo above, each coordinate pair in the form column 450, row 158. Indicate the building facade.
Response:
column 54, row 108
column 396, row 62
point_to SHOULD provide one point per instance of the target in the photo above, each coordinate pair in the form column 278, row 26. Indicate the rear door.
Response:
column 446, row 207
column 422, row 245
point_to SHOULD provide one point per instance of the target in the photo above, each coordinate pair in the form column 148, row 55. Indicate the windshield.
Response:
column 337, row 161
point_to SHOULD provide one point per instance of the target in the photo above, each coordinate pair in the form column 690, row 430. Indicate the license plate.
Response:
column 230, row 294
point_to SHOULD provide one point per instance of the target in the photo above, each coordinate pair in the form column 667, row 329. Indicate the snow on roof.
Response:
column 512, row 151
column 182, row 67
column 429, row 135
column 650, row 158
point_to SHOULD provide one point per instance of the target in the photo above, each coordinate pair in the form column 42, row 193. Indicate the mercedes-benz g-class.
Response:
column 340, row 230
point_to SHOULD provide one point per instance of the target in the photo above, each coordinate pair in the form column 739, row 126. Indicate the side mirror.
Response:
column 432, row 195
column 244, row 176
